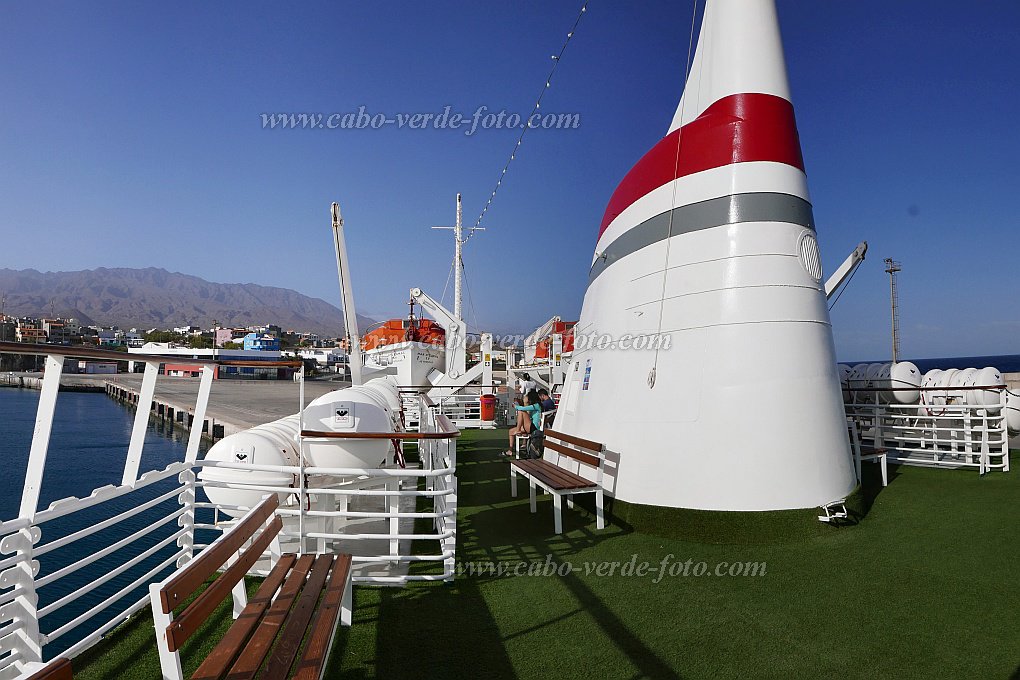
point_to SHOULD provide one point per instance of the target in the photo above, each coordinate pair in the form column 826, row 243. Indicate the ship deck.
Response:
column 924, row 586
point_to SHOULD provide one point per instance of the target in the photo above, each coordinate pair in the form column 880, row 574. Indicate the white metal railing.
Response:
column 944, row 435
column 149, row 522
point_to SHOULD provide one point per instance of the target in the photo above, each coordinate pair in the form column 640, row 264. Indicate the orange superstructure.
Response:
column 405, row 330
column 564, row 328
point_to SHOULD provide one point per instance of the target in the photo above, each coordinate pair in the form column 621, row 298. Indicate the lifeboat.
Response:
column 395, row 331
column 564, row 328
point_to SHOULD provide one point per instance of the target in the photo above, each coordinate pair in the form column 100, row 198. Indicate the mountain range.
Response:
column 155, row 298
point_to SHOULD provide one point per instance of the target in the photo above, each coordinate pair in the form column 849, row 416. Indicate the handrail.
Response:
column 400, row 436
column 908, row 388
column 82, row 352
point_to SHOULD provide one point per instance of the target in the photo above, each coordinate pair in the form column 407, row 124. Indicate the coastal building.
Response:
column 29, row 330
column 8, row 325
column 57, row 331
column 261, row 343
column 177, row 364
column 223, row 336
column 324, row 356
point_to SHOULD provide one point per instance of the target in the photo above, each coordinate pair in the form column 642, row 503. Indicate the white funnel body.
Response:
column 708, row 245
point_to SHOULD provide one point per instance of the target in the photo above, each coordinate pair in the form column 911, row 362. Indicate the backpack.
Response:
column 536, row 445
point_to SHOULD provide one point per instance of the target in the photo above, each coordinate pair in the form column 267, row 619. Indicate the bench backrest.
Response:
column 180, row 586
column 584, row 450
column 58, row 669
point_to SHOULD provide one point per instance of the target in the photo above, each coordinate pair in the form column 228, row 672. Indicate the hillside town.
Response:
column 267, row 342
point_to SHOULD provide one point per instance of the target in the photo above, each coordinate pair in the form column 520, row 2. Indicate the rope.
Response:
column 846, row 285
column 471, row 302
column 527, row 123
column 448, row 276
column 676, row 165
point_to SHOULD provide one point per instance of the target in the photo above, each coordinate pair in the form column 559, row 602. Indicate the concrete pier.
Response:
column 234, row 405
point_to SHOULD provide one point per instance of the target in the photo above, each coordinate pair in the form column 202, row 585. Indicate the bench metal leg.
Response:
column 347, row 604
column 513, row 482
column 600, row 515
column 534, row 503
column 558, row 512
column 885, row 471
column 169, row 662
column 239, row 593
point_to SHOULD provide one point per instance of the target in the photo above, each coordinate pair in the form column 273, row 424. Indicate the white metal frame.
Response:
column 170, row 662
column 558, row 494
column 22, row 642
column 954, row 435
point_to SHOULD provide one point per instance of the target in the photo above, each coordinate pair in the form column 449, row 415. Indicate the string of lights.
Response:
column 538, row 104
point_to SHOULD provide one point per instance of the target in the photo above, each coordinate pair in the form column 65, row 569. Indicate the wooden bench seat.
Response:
column 300, row 602
column 550, row 474
column 58, row 669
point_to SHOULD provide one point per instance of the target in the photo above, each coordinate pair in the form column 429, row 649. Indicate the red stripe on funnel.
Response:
column 736, row 129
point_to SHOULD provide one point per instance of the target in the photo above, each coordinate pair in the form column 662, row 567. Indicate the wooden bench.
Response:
column 58, row 669
column 302, row 597
column 863, row 453
column 550, row 474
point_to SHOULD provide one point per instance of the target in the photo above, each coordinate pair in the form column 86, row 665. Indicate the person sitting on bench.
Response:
column 525, row 424
column 546, row 401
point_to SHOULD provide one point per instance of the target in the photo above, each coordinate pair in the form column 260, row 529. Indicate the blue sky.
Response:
column 132, row 137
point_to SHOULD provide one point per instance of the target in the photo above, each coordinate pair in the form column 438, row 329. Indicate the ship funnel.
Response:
column 704, row 357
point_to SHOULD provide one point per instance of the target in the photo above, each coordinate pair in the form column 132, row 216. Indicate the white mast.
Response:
column 458, row 259
column 347, row 293
column 458, row 264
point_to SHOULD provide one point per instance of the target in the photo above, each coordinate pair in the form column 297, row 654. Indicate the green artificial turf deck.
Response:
column 924, row 586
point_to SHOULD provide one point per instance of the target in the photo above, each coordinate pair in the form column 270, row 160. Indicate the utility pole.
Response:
column 891, row 268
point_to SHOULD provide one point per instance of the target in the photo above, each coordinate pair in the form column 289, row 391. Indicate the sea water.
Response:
column 87, row 450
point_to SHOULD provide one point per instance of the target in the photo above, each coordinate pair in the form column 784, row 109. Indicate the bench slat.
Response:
column 250, row 660
column 205, row 604
column 553, row 475
column 297, row 623
column 571, row 439
column 202, row 567
column 540, row 469
column 586, row 458
column 561, row 480
column 58, row 669
column 314, row 658
column 220, row 659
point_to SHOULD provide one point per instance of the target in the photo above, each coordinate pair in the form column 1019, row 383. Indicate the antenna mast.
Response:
column 891, row 268
column 458, row 263
column 458, row 258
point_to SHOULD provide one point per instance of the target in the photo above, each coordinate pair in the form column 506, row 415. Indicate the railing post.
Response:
column 301, row 460
column 450, row 543
column 24, row 608
column 23, row 574
column 141, row 424
column 201, row 403
column 1005, row 430
column 41, row 436
column 187, row 521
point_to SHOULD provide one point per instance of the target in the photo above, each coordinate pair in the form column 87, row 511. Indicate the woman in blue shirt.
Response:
column 525, row 424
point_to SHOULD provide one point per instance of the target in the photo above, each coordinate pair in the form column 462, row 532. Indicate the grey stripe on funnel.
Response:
column 715, row 212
